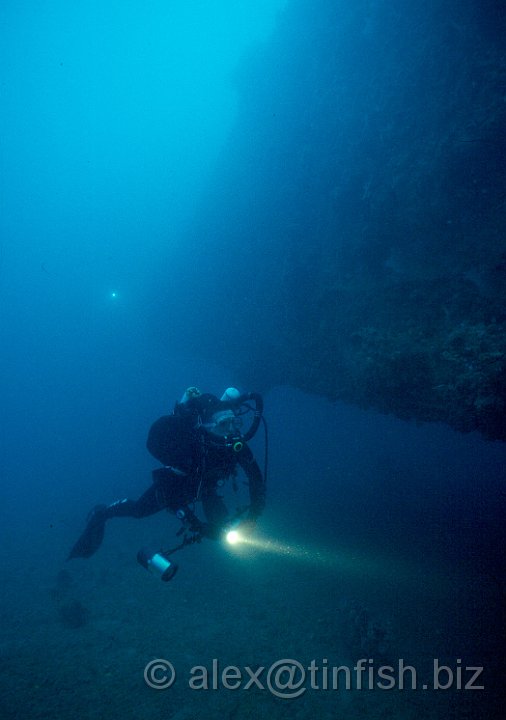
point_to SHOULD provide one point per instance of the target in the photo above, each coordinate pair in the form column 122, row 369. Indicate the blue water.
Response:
column 113, row 118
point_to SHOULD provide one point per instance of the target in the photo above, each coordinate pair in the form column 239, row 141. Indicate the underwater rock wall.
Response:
column 354, row 229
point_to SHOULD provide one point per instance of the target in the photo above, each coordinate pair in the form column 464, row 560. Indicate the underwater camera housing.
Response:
column 157, row 564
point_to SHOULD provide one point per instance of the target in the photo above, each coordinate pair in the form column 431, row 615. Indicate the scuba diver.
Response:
column 200, row 446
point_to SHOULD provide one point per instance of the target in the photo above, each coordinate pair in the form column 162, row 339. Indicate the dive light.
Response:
column 232, row 533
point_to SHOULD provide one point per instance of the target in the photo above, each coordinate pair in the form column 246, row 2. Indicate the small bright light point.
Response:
column 233, row 537
column 114, row 295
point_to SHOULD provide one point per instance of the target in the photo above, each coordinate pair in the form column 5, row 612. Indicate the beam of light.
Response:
column 342, row 560
column 292, row 551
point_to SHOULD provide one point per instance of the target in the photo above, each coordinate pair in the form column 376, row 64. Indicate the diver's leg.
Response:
column 151, row 502
column 167, row 491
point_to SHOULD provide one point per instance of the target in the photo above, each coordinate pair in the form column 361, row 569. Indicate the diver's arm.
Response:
column 256, row 482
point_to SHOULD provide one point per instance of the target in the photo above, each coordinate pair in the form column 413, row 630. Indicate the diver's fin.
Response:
column 92, row 537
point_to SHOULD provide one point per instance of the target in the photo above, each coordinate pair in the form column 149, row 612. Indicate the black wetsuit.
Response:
column 194, row 468
column 173, row 491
